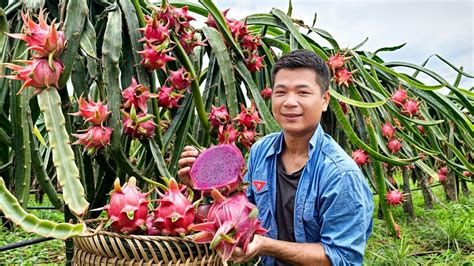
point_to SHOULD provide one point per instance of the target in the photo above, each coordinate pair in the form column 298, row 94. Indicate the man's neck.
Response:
column 296, row 145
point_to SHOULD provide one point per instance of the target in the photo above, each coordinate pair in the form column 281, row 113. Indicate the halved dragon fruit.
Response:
column 219, row 167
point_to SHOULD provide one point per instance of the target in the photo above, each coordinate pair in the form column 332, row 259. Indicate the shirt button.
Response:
column 300, row 221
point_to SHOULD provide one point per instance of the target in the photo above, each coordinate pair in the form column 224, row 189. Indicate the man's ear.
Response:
column 326, row 99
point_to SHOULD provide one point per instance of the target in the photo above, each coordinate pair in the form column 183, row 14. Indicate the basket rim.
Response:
column 89, row 232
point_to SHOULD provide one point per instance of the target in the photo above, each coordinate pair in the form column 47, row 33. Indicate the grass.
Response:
column 49, row 252
column 442, row 236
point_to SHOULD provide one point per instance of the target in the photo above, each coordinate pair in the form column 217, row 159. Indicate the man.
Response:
column 310, row 194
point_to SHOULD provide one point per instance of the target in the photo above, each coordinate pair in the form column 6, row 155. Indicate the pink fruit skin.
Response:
column 394, row 197
column 127, row 208
column 175, row 213
column 37, row 73
column 248, row 117
column 94, row 112
column 360, row 157
column 232, row 222
column 394, row 145
column 399, row 97
column 94, row 138
column 219, row 116
column 388, row 130
column 335, row 62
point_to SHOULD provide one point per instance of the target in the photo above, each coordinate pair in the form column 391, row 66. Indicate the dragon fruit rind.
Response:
column 218, row 167
column 175, row 213
column 232, row 222
column 127, row 209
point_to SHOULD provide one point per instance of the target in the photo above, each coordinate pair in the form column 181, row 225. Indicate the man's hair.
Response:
column 304, row 59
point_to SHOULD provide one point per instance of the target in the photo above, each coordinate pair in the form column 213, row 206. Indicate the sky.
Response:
column 426, row 26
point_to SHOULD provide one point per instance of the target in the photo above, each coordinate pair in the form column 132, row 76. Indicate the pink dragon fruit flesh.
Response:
column 232, row 222
column 218, row 167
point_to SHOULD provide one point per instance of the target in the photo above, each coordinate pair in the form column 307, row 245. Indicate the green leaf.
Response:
column 159, row 160
column 408, row 80
column 225, row 67
column 270, row 123
column 63, row 156
column 461, row 156
column 30, row 223
column 350, row 101
column 76, row 13
column 88, row 40
column 389, row 49
column 454, row 67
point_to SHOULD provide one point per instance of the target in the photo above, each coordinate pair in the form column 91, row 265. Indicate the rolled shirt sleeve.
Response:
column 346, row 209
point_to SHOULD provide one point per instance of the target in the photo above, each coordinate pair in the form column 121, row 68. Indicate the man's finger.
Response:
column 190, row 153
column 188, row 161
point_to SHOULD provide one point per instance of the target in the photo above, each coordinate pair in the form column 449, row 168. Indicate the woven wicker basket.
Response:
column 107, row 248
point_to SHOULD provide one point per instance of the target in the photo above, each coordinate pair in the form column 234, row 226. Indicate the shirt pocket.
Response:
column 310, row 219
column 262, row 199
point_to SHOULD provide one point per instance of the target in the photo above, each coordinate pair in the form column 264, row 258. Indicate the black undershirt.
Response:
column 285, row 204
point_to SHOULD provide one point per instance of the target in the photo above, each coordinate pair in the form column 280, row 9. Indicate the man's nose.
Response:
column 290, row 100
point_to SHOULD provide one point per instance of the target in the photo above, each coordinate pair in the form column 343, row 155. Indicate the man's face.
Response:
column 297, row 102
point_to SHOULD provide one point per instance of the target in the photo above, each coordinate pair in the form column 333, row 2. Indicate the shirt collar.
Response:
column 278, row 144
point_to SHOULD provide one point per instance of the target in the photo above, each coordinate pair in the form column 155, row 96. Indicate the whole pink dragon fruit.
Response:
column 388, row 130
column 343, row 77
column 250, row 42
column 410, row 107
column 219, row 116
column 394, row 197
column 40, row 37
column 254, row 63
column 399, row 97
column 93, row 112
column 227, row 134
column 189, row 41
column 180, row 79
column 155, row 57
column 175, row 212
column 335, row 62
column 247, row 138
column 154, row 31
column 38, row 73
column 232, row 222
column 218, row 167
column 128, row 207
column 443, row 174
column 394, row 145
column 360, row 157
column 94, row 138
column 140, row 126
column 168, row 97
column 248, row 117
column 136, row 95
column 266, row 93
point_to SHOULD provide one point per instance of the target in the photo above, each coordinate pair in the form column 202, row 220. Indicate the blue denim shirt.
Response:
column 333, row 202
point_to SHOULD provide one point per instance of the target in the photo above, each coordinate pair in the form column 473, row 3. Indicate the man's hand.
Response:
column 238, row 256
column 188, row 157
